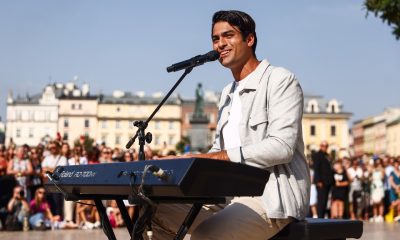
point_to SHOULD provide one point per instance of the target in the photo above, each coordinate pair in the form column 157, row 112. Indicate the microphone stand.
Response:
column 142, row 125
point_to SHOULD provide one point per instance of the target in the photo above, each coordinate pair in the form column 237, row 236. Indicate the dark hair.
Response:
column 239, row 19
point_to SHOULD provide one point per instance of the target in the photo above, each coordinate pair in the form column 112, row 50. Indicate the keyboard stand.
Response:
column 197, row 202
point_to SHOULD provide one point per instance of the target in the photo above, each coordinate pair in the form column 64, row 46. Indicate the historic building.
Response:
column 377, row 134
column 77, row 113
column 325, row 120
column 117, row 112
column 393, row 137
column 32, row 119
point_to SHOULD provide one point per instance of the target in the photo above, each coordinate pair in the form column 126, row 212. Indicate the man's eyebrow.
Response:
column 224, row 33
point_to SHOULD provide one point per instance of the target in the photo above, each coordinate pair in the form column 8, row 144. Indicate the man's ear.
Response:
column 250, row 40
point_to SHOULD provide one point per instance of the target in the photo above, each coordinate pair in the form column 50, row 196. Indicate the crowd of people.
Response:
column 364, row 188
column 24, row 202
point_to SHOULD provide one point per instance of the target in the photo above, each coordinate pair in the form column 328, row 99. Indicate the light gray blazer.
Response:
column 271, row 137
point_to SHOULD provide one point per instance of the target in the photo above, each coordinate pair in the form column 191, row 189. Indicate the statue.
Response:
column 199, row 106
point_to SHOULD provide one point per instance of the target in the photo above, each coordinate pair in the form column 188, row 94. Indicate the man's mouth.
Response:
column 224, row 53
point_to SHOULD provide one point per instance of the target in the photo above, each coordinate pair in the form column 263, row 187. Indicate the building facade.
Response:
column 325, row 120
column 32, row 119
column 117, row 113
column 77, row 114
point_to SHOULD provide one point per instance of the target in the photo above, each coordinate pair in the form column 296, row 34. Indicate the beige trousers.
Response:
column 243, row 218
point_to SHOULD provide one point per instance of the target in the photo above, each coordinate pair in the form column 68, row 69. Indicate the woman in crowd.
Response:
column 339, row 190
column 41, row 215
column 377, row 191
column 87, row 215
column 65, row 150
column 21, row 168
column 36, row 180
column 394, row 181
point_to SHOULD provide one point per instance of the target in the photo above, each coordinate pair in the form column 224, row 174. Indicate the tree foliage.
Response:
column 388, row 11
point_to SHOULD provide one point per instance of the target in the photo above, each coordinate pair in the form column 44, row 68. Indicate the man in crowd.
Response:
column 323, row 177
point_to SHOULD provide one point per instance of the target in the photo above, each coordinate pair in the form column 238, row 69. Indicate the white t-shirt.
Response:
column 82, row 161
column 230, row 131
column 52, row 161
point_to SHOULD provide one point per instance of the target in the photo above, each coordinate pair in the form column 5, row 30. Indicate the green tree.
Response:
column 388, row 11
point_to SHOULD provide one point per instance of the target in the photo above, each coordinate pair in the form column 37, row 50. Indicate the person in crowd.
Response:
column 18, row 209
column 394, row 181
column 117, row 155
column 355, row 174
column 21, row 168
column 313, row 192
column 3, row 161
column 366, row 193
column 36, row 178
column 77, row 158
column 106, row 155
column 87, row 215
column 377, row 191
column 129, row 156
column 65, row 150
column 49, row 163
column 339, row 190
column 323, row 177
column 114, row 214
column 387, row 163
column 41, row 215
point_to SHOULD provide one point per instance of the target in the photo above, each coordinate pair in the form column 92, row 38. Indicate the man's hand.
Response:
column 222, row 155
column 320, row 184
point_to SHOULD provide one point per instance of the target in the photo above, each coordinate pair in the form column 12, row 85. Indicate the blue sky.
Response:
column 331, row 46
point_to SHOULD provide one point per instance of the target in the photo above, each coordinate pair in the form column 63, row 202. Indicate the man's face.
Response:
column 228, row 41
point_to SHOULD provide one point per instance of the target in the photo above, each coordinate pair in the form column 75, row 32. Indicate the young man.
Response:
column 259, row 124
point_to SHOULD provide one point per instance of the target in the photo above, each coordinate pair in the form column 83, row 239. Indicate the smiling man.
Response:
column 259, row 124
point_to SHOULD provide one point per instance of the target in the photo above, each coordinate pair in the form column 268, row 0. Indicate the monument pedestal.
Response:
column 199, row 133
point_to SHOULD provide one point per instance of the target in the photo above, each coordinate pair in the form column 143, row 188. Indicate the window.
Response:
column 157, row 125
column 157, row 140
column 171, row 125
column 104, row 138
column 18, row 133
column 312, row 108
column 171, row 139
column 65, row 136
column 312, row 130
column 30, row 133
column 118, row 139
column 333, row 130
column 333, row 108
column 73, row 106
column 66, row 123
column 104, row 124
column 80, row 106
column 118, row 124
column 86, row 123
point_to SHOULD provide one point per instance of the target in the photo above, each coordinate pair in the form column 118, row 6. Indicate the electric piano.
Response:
column 189, row 180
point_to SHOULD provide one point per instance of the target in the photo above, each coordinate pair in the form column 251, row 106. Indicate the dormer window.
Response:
column 333, row 107
column 312, row 106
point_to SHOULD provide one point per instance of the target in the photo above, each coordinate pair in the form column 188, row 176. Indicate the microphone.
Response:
column 194, row 61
